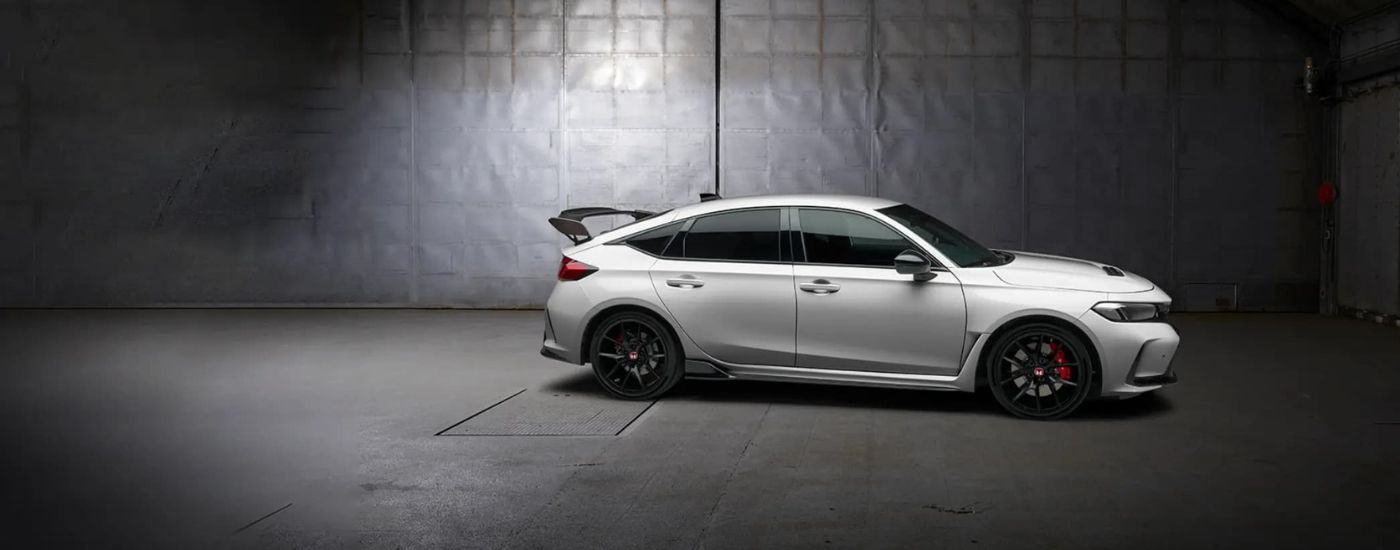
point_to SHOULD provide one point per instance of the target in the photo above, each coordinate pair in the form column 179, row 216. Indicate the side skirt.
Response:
column 964, row 381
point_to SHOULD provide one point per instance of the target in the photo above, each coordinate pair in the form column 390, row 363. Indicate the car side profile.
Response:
column 848, row 290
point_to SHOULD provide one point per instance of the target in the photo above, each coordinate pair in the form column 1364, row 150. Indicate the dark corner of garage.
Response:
column 700, row 273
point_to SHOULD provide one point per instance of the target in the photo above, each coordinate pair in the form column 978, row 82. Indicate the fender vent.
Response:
column 1112, row 271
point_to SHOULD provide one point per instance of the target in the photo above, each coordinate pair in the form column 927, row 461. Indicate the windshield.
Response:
column 959, row 248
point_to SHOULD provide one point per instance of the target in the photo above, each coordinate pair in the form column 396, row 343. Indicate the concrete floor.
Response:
column 180, row 428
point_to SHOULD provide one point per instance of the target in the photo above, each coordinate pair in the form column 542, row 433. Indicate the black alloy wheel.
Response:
column 634, row 357
column 1039, row 371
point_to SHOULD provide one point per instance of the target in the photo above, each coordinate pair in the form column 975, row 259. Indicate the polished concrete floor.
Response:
column 259, row 428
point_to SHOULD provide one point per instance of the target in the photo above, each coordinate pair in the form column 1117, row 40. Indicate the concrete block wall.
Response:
column 407, row 152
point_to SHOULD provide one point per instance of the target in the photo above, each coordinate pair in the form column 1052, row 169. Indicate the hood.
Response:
column 1044, row 271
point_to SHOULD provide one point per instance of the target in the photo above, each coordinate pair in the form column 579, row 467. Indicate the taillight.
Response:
column 573, row 270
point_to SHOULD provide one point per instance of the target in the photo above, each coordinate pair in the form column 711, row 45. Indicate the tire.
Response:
column 635, row 356
column 1039, row 371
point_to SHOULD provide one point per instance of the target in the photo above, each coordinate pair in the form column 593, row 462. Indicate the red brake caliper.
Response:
column 1062, row 372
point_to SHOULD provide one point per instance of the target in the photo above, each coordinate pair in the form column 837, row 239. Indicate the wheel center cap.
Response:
column 631, row 356
column 1039, row 371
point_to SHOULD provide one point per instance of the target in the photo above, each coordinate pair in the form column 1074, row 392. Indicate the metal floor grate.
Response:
column 552, row 413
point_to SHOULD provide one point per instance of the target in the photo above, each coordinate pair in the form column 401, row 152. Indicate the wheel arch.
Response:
column 1068, row 324
column 608, row 310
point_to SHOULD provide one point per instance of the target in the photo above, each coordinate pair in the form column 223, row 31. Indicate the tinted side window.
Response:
column 750, row 235
column 833, row 237
column 655, row 241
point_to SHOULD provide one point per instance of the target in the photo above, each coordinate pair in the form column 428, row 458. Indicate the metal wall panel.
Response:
column 406, row 152
column 183, row 152
column 1247, row 162
column 794, row 98
column 1166, row 137
column 1368, row 232
column 640, row 103
column 1090, row 129
column 386, row 152
column 1374, row 33
column 1368, row 207
column 950, row 112
column 1099, row 144
column 487, row 78
column 18, row 234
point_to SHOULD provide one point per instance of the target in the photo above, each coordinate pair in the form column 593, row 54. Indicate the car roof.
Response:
column 853, row 202
column 850, row 202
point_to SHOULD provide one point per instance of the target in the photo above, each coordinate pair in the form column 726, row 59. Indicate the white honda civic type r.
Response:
column 848, row 290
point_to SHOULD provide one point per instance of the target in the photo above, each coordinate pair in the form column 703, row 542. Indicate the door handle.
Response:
column 685, row 282
column 819, row 286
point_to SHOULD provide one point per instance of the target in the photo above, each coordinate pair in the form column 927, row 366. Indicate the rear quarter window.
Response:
column 654, row 241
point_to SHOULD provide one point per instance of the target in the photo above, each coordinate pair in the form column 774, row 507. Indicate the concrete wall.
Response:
column 1368, row 208
column 390, row 152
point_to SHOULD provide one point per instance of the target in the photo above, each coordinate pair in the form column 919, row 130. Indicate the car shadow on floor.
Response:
column 857, row 397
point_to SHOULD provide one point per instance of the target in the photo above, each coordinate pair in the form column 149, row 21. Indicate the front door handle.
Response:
column 819, row 286
column 685, row 282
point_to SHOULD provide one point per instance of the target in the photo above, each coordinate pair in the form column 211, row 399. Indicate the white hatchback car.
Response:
column 848, row 290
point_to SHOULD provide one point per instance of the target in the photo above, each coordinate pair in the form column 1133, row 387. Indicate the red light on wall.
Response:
column 1326, row 193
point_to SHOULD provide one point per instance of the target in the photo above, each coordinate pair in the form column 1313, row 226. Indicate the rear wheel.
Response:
column 635, row 357
column 1039, row 371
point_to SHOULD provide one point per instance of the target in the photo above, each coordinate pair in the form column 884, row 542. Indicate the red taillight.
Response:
column 573, row 270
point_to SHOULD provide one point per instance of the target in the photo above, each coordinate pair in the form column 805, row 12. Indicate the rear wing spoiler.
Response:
column 570, row 222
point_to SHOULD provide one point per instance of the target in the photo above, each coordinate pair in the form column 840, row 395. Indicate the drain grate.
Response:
column 552, row 413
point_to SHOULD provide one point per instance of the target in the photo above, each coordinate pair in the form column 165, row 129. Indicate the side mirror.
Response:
column 910, row 262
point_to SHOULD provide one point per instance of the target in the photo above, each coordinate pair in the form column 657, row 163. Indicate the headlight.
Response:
column 1132, row 313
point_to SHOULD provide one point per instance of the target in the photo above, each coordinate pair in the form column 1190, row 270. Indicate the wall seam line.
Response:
column 414, row 235
column 561, row 199
column 872, row 100
column 1174, row 111
column 1026, row 11
column 718, row 70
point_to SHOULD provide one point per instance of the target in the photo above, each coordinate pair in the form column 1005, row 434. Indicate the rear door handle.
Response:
column 685, row 282
column 819, row 286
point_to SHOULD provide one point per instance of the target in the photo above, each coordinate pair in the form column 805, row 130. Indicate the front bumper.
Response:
column 552, row 353
column 1136, row 357
column 1159, row 380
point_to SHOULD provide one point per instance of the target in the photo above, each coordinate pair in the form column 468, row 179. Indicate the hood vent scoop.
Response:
column 1112, row 271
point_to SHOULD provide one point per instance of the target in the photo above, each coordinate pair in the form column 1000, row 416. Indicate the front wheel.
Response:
column 1039, row 371
column 634, row 357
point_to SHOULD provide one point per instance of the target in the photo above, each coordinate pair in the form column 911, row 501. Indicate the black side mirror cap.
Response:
column 910, row 262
